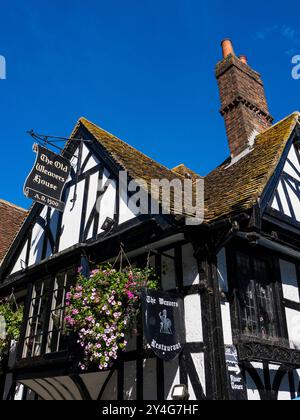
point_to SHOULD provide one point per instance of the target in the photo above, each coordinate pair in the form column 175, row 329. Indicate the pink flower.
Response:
column 130, row 295
column 75, row 312
column 79, row 269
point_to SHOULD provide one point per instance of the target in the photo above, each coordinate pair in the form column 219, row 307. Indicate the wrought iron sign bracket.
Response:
column 48, row 140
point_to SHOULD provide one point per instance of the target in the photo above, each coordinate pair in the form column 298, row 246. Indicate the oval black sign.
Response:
column 164, row 328
column 47, row 179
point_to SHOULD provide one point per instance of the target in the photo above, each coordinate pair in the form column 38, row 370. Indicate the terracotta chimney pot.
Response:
column 227, row 48
column 243, row 59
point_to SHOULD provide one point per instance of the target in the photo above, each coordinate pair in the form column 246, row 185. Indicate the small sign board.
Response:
column 47, row 178
column 236, row 380
column 163, row 319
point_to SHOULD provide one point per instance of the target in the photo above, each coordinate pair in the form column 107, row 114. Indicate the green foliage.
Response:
column 11, row 321
column 102, row 308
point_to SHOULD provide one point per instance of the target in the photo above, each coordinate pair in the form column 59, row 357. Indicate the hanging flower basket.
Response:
column 11, row 317
column 101, row 310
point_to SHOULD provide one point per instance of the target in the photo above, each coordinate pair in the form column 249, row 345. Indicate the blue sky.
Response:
column 143, row 70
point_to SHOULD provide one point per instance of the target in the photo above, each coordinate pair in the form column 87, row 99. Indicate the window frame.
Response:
column 22, row 356
column 272, row 261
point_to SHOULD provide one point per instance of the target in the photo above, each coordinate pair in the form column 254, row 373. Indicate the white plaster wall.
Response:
column 289, row 168
column 289, row 281
column 283, row 200
column 91, row 201
column 293, row 324
column 72, row 218
column 92, row 162
column 198, row 359
column 190, row 266
column 108, row 202
column 36, row 246
column 22, row 257
column 125, row 212
column 226, row 323
column 193, row 318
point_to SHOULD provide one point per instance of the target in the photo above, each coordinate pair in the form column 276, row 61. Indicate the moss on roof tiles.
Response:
column 229, row 189
column 236, row 188
column 136, row 163
column 185, row 172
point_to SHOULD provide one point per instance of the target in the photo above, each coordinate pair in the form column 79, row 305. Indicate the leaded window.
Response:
column 56, row 340
column 256, row 297
column 36, row 322
column 45, row 322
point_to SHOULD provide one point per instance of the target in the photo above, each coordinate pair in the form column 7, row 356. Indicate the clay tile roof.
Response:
column 232, row 189
column 11, row 219
column 185, row 172
column 138, row 165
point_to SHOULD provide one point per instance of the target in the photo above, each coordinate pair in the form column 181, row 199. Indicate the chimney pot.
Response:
column 243, row 59
column 227, row 47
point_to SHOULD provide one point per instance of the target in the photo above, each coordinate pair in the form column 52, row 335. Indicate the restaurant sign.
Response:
column 48, row 178
column 164, row 327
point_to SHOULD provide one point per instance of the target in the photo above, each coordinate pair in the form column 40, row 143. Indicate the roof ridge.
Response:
column 15, row 206
column 178, row 166
column 295, row 114
column 112, row 136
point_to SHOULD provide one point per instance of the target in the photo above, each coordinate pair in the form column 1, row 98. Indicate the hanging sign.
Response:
column 164, row 328
column 47, row 179
column 236, row 381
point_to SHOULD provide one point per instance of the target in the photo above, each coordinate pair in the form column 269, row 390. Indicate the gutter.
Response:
column 267, row 242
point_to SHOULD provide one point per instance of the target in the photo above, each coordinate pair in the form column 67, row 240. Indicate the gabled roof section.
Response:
column 236, row 188
column 11, row 219
column 138, row 165
column 185, row 172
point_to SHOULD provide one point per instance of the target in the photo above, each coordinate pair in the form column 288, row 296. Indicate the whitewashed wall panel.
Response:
column 91, row 201
column 193, row 318
column 37, row 240
column 198, row 360
column 226, row 323
column 108, row 201
column 287, row 194
column 72, row 218
column 293, row 325
column 92, row 161
column 20, row 263
column 225, row 305
column 289, row 281
column 190, row 266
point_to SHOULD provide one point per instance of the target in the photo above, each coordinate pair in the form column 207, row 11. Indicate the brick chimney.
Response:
column 243, row 101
